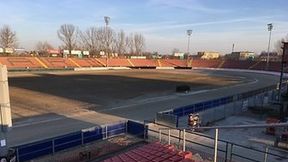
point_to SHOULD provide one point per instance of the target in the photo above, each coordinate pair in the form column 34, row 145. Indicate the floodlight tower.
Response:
column 189, row 33
column 107, row 21
column 233, row 47
column 270, row 28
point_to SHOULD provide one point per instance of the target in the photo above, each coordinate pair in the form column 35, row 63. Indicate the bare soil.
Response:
column 33, row 94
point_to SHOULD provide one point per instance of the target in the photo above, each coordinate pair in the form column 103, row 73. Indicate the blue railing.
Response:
column 202, row 106
column 56, row 144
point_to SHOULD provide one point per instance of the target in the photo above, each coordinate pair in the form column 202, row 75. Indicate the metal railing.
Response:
column 171, row 117
column 53, row 145
column 212, row 147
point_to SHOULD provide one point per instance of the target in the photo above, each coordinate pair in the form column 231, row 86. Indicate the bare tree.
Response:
column 175, row 50
column 279, row 44
column 7, row 37
column 43, row 46
column 68, row 35
column 110, row 40
column 130, row 43
column 91, row 39
column 107, row 38
column 139, row 43
column 120, row 43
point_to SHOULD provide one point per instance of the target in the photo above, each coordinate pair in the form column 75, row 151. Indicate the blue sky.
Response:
column 216, row 24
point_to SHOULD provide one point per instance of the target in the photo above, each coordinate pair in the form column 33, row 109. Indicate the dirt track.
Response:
column 34, row 94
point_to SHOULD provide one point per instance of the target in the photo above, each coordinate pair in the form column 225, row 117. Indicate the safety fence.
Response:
column 50, row 146
column 203, row 145
column 171, row 117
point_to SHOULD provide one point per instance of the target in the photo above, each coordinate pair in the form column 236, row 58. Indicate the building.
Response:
column 208, row 55
column 273, row 56
column 54, row 52
column 179, row 55
column 6, row 50
column 242, row 55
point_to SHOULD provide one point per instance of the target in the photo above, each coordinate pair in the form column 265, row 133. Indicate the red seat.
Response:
column 176, row 158
column 154, row 152
column 186, row 154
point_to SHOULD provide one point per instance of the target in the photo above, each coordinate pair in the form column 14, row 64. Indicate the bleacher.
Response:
column 101, row 61
column 232, row 64
column 153, row 152
column 206, row 63
column 86, row 62
column 57, row 62
column 273, row 66
column 118, row 63
column 163, row 63
column 143, row 63
column 60, row 63
column 177, row 63
column 20, row 62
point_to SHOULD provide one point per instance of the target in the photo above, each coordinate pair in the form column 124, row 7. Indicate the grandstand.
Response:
column 56, row 63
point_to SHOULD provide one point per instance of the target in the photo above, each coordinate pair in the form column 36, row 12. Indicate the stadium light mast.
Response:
column 233, row 47
column 107, row 21
column 189, row 33
column 270, row 28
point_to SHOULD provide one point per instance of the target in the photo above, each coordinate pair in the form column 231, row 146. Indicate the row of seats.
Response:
column 154, row 152
column 46, row 62
column 206, row 63
column 231, row 64
column 20, row 62
column 177, row 63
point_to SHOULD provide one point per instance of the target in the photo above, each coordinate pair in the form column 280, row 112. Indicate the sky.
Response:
column 216, row 24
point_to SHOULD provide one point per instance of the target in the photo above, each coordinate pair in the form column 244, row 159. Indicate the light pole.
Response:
column 233, row 46
column 107, row 21
column 189, row 33
column 270, row 28
column 283, row 67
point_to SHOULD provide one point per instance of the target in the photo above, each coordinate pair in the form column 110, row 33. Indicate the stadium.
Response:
column 128, row 103
column 143, row 81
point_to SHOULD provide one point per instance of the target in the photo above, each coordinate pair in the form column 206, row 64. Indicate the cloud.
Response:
column 195, row 5
column 166, row 25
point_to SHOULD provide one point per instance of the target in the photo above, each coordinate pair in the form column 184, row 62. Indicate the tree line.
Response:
column 99, row 39
column 93, row 39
